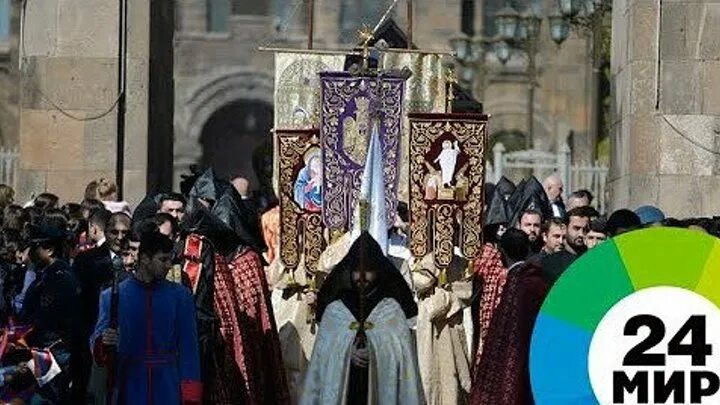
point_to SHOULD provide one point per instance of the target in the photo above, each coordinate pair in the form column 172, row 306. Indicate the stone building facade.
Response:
column 562, row 99
column 666, row 89
column 69, row 86
column 224, row 86
column 9, row 74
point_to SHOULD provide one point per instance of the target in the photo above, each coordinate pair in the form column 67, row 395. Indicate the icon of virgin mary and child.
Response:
column 308, row 185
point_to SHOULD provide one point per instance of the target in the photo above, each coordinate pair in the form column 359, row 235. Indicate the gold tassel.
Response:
column 291, row 282
column 335, row 234
column 442, row 279
column 312, row 285
column 312, row 289
column 364, row 210
column 451, row 79
column 470, row 270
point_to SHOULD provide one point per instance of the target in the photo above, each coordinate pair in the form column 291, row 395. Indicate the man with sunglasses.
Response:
column 95, row 271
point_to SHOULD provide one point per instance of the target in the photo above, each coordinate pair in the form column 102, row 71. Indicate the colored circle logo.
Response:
column 634, row 321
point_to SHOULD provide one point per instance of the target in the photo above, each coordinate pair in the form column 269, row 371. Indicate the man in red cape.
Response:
column 251, row 351
column 490, row 272
column 502, row 375
column 240, row 350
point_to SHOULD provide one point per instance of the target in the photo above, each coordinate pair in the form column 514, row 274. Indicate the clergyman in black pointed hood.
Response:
column 241, row 214
column 497, row 216
column 346, row 356
column 533, row 198
column 505, row 187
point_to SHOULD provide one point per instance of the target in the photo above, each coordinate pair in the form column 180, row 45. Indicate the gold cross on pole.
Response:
column 366, row 35
column 451, row 79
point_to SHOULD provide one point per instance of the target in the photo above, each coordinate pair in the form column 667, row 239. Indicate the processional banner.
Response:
column 297, row 92
column 447, row 179
column 351, row 106
column 425, row 92
column 301, row 229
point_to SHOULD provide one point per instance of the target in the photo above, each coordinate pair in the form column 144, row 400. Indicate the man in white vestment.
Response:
column 374, row 366
column 292, row 301
column 441, row 337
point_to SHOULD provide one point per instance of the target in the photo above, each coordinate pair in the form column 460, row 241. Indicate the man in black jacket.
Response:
column 577, row 223
column 95, row 271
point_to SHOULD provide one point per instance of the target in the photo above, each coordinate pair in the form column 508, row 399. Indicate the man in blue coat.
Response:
column 157, row 359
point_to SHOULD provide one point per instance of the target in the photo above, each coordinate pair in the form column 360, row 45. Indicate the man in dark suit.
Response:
column 95, row 271
column 553, row 186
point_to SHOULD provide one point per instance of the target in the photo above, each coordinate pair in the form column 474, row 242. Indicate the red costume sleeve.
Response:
column 191, row 392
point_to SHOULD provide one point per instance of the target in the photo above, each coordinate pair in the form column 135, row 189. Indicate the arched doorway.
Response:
column 232, row 138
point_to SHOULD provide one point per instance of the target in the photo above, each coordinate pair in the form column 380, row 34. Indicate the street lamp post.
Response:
column 470, row 56
column 520, row 32
column 588, row 17
column 516, row 32
column 530, row 28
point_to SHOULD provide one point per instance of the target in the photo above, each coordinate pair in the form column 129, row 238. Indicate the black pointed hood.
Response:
column 390, row 283
column 488, row 193
column 505, row 187
column 187, row 181
column 208, row 186
column 533, row 198
column 242, row 216
column 516, row 196
column 148, row 207
column 498, row 212
column 200, row 220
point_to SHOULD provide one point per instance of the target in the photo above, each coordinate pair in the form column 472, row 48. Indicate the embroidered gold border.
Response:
column 301, row 232
column 433, row 224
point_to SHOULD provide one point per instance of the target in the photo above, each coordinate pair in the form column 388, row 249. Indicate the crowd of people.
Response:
column 178, row 300
column 166, row 303
column 532, row 236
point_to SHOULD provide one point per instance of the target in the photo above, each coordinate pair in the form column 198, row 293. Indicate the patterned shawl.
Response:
column 502, row 376
column 250, row 369
column 491, row 275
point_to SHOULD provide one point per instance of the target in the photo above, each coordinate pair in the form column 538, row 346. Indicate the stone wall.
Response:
column 9, row 88
column 9, row 95
column 71, row 50
column 666, row 136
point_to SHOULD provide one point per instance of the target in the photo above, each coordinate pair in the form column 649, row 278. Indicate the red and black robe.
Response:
column 502, row 375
